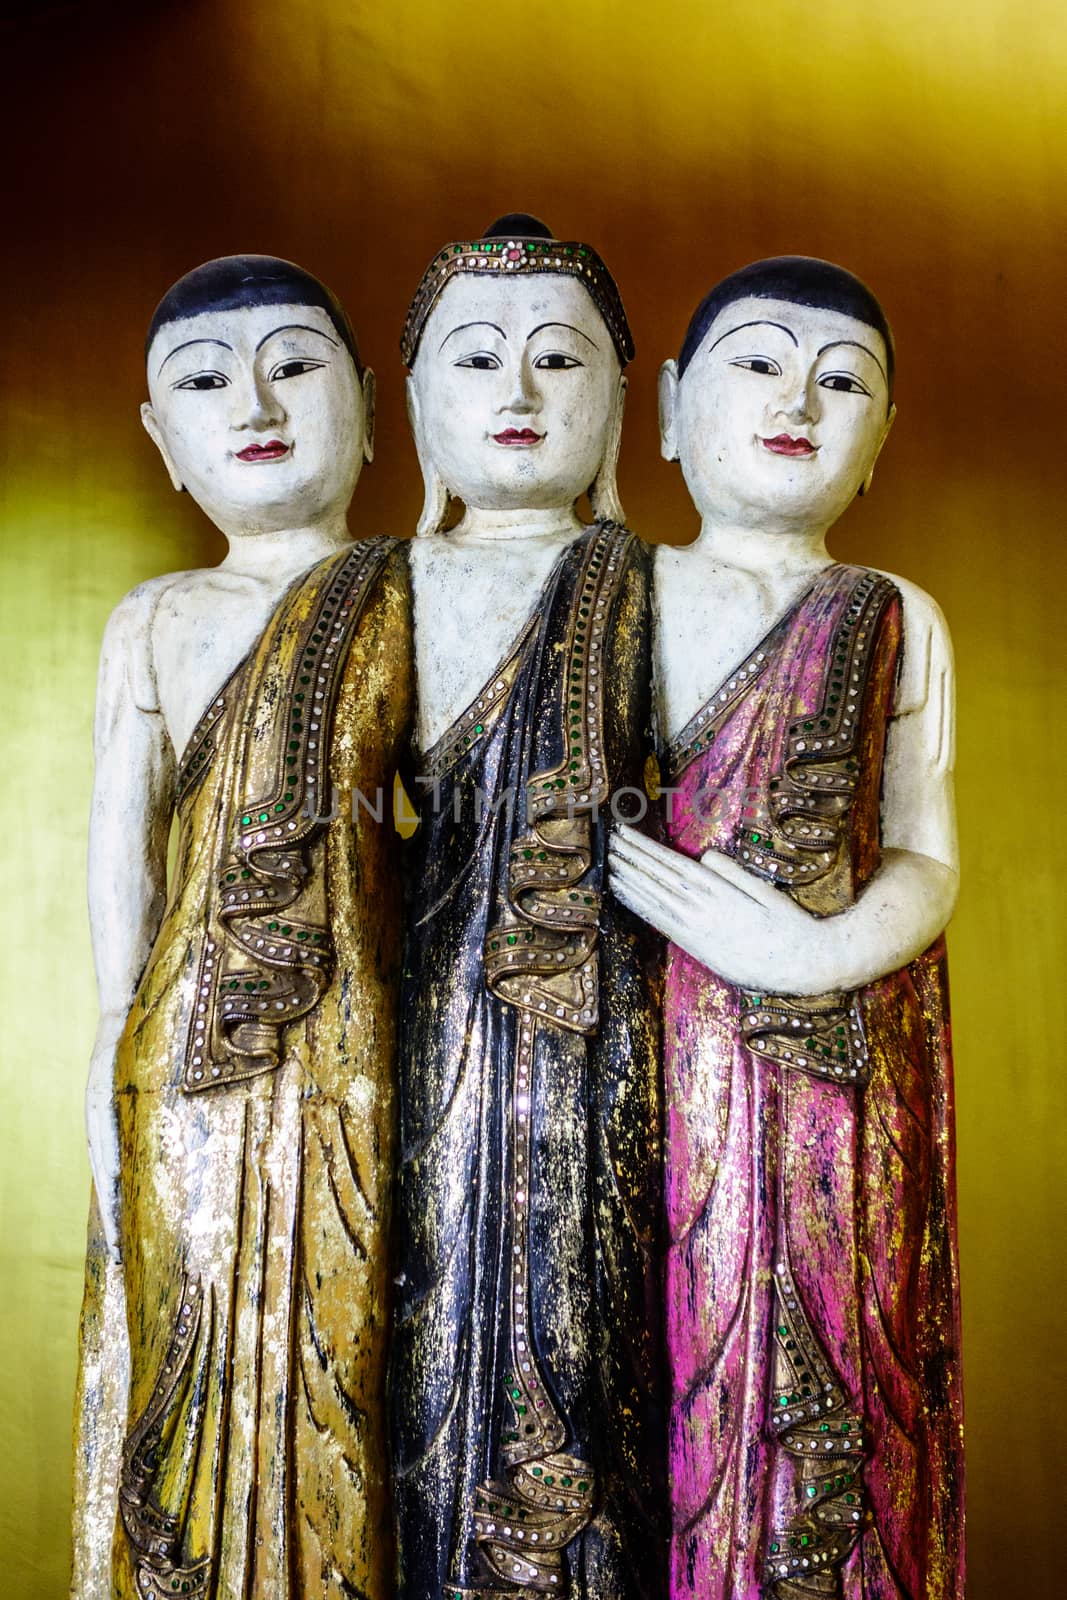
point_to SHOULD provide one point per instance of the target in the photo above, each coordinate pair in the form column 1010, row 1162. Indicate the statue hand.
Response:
column 755, row 936
column 741, row 928
column 101, row 1126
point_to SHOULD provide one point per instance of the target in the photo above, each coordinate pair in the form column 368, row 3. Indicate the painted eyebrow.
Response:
column 760, row 322
column 186, row 345
column 859, row 346
column 542, row 325
column 463, row 325
column 291, row 327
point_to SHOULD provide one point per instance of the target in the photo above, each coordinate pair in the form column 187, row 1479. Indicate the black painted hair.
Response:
column 231, row 282
column 518, row 225
column 806, row 281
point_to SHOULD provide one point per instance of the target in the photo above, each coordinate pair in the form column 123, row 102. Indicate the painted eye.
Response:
column 843, row 383
column 295, row 367
column 482, row 361
column 763, row 365
column 556, row 361
column 203, row 380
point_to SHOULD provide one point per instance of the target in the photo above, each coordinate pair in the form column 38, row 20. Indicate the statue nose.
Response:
column 797, row 405
column 523, row 395
column 258, row 407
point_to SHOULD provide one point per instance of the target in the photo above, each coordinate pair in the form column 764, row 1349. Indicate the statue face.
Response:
column 514, row 391
column 781, row 413
column 259, row 413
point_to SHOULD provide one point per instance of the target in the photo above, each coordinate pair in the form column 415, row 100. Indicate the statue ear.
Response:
column 604, row 490
column 435, row 501
column 155, row 433
column 668, row 410
column 369, row 404
column 865, row 486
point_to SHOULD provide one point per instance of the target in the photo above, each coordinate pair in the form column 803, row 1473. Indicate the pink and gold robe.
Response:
column 813, row 1314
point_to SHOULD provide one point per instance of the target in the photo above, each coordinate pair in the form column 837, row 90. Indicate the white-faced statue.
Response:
column 777, row 408
column 517, row 346
column 260, row 405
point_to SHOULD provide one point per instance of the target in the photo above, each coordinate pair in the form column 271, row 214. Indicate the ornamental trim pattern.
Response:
column 154, row 1535
column 802, row 842
column 524, row 256
column 821, row 1035
column 812, row 1420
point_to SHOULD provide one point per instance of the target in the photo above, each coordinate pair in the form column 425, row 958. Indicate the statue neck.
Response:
column 284, row 552
column 763, row 550
column 495, row 525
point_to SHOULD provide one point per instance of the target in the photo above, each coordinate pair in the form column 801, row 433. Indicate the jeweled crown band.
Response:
column 525, row 256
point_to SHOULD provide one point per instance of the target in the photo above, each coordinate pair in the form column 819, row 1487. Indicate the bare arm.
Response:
column 753, row 934
column 129, row 824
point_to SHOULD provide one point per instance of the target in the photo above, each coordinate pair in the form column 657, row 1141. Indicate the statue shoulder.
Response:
column 927, row 649
column 127, row 652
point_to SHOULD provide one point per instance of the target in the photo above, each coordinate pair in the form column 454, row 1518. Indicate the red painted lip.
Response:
column 272, row 451
column 783, row 444
column 518, row 436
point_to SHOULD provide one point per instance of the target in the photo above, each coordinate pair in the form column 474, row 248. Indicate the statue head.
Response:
column 516, row 345
column 259, row 405
column 782, row 394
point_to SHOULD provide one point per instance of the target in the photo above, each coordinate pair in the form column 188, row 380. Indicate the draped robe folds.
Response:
column 813, row 1316
column 528, row 1408
column 256, row 1106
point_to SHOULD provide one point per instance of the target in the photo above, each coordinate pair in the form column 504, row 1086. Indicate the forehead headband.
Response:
column 524, row 253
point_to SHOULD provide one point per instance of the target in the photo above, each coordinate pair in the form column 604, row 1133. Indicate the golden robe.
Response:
column 255, row 1089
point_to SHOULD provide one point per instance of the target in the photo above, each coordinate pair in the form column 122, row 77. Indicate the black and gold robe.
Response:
column 526, row 1400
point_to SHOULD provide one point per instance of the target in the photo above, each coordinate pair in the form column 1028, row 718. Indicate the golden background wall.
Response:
column 920, row 142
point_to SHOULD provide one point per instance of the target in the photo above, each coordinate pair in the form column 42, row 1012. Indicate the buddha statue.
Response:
column 241, row 1102
column 527, row 1411
column 806, row 874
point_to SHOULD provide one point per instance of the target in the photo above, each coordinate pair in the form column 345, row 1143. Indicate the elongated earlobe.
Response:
column 865, row 486
column 668, row 410
column 155, row 433
column 435, row 500
column 604, row 490
column 370, row 391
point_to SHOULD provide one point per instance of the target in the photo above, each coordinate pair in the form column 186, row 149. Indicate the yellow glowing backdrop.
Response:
column 921, row 142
